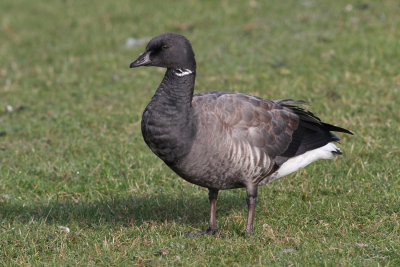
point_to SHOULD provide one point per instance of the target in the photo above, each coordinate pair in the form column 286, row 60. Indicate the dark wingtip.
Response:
column 339, row 129
column 334, row 128
column 347, row 131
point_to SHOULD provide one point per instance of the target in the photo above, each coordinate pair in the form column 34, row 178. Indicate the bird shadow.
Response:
column 134, row 209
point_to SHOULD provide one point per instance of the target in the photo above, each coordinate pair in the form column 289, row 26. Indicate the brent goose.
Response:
column 222, row 140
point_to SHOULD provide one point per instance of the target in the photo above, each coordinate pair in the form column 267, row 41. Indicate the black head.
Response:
column 167, row 50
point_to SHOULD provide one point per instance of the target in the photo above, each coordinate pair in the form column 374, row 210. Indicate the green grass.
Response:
column 72, row 155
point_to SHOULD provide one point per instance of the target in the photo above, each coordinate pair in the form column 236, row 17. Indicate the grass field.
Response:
column 72, row 156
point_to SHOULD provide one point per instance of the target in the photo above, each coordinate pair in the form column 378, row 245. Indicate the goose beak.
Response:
column 142, row 60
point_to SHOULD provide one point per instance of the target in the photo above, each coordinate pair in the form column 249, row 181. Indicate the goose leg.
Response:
column 251, row 206
column 212, row 196
column 212, row 228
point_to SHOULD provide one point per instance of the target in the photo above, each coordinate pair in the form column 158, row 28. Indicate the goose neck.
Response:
column 177, row 87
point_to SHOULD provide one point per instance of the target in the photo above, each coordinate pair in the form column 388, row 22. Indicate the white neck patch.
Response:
column 182, row 72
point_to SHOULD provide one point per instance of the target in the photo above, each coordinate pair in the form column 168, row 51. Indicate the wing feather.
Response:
column 264, row 124
column 258, row 135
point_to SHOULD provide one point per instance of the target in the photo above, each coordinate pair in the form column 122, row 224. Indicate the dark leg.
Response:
column 212, row 229
column 212, row 196
column 251, row 206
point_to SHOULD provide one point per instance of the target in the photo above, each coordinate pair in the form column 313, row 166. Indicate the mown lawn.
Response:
column 72, row 156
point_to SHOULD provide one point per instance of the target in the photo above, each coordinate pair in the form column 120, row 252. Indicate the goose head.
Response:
column 167, row 50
